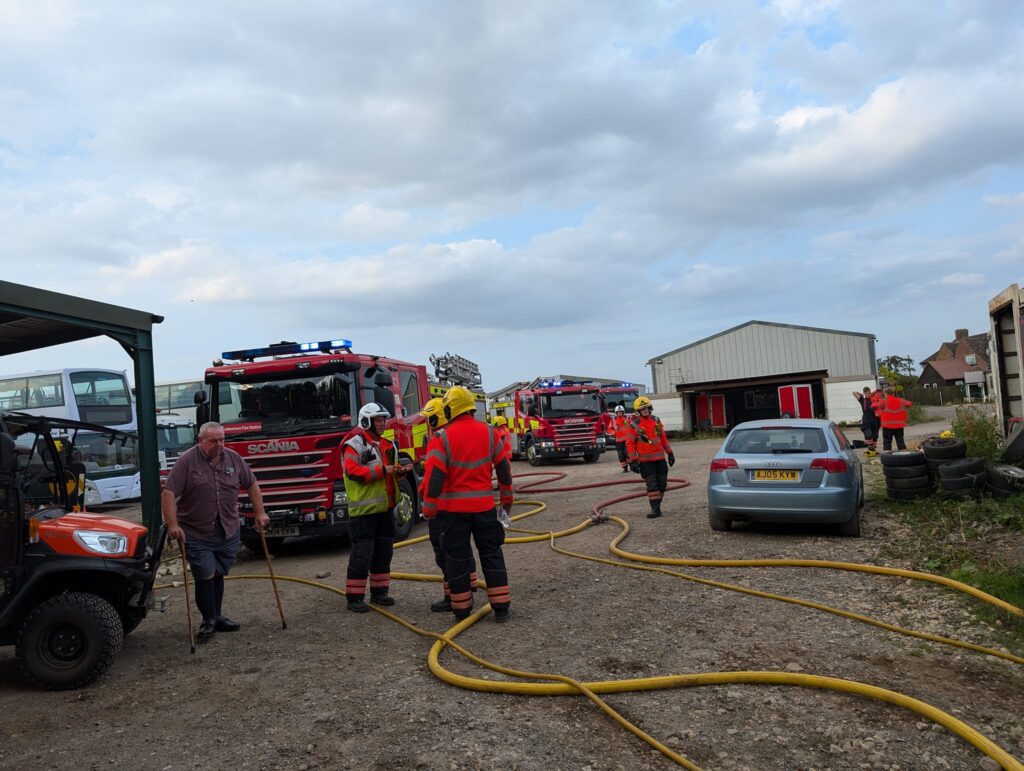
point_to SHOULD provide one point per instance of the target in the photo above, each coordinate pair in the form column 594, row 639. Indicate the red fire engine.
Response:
column 288, row 414
column 612, row 397
column 557, row 419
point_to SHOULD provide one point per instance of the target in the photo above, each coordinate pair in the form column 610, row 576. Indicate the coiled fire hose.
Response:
column 555, row 685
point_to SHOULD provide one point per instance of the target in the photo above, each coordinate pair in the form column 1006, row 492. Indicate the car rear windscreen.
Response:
column 776, row 440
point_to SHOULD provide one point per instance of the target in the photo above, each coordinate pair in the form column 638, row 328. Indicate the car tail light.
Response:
column 721, row 464
column 831, row 465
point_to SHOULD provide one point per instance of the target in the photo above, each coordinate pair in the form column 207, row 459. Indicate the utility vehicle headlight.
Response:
column 102, row 542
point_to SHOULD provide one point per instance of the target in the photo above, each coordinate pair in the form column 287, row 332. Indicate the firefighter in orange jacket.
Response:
column 648, row 449
column 459, row 493
column 500, row 424
column 434, row 413
column 372, row 471
column 892, row 412
column 620, row 430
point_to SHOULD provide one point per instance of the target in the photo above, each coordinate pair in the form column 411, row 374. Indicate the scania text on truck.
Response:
column 557, row 420
column 287, row 408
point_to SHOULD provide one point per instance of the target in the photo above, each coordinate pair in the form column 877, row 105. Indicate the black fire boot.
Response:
column 357, row 605
column 444, row 605
column 382, row 598
column 655, row 511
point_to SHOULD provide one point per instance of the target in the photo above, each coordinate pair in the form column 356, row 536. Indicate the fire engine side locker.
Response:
column 1007, row 327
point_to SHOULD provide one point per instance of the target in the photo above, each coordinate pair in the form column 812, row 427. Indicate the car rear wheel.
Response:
column 69, row 640
column 851, row 527
column 718, row 522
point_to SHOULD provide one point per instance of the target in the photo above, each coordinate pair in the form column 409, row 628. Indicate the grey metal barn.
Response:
column 762, row 369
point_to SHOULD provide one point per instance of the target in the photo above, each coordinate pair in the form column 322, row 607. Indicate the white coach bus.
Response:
column 99, row 396
column 178, row 397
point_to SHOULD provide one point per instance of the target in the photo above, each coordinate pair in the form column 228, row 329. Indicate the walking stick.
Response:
column 273, row 581
column 188, row 607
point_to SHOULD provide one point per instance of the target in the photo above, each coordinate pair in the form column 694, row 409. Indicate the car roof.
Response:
column 793, row 422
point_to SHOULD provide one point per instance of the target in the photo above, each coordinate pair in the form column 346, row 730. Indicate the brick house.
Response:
column 962, row 361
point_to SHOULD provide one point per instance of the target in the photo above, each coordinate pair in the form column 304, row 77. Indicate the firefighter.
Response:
column 372, row 471
column 500, row 424
column 648, row 447
column 459, row 494
column 868, row 419
column 892, row 413
column 434, row 413
column 620, row 427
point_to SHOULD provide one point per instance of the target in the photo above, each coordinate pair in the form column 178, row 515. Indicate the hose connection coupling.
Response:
column 597, row 517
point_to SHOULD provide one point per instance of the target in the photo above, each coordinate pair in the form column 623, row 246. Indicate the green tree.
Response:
column 900, row 371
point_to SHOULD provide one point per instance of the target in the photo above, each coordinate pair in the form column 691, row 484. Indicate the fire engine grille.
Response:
column 575, row 433
column 295, row 479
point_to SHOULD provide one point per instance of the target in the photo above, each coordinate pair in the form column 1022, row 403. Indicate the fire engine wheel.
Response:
column 69, row 640
column 592, row 457
column 531, row 453
column 252, row 543
column 405, row 510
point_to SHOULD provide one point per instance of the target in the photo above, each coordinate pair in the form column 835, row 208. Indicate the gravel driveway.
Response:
column 339, row 690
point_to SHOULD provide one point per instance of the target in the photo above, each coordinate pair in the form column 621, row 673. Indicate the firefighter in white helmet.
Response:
column 372, row 470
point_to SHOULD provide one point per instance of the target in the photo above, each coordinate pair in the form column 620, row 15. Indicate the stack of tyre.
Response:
column 938, row 450
column 906, row 475
column 963, row 478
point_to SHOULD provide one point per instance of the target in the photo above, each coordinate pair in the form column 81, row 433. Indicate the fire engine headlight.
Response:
column 101, row 542
column 340, row 497
column 600, row 440
column 547, row 445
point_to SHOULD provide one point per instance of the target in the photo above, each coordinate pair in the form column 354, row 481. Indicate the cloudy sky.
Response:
column 539, row 186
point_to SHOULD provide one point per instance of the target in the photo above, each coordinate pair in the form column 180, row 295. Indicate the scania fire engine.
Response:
column 557, row 419
column 288, row 407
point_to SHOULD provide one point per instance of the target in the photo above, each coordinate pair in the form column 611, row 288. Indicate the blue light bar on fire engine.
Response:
column 284, row 348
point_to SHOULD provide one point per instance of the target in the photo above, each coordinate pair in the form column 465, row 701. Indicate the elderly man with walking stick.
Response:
column 200, row 508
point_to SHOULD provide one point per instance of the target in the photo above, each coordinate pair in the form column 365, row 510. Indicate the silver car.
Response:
column 786, row 471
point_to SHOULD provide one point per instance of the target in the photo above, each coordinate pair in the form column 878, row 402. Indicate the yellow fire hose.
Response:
column 562, row 685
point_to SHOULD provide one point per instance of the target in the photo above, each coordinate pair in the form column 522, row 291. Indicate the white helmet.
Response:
column 619, row 408
column 369, row 412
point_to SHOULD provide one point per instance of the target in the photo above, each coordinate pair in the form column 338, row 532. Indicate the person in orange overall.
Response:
column 500, row 424
column 620, row 428
column 648, row 450
column 892, row 412
column 436, row 421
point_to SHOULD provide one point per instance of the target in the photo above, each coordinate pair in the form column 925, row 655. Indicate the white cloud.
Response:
column 1005, row 201
column 962, row 279
column 366, row 221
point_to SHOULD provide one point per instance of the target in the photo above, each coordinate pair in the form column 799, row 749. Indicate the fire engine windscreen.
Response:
column 317, row 402
column 616, row 400
column 569, row 405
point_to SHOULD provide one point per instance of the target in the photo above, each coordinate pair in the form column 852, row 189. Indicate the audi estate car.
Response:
column 795, row 471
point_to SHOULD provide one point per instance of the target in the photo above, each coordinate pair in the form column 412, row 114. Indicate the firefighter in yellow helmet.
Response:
column 460, row 495
column 648, row 448
column 500, row 424
column 433, row 411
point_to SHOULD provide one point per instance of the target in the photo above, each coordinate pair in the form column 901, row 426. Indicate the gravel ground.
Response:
column 338, row 690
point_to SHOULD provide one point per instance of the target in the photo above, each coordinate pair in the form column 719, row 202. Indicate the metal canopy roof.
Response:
column 32, row 318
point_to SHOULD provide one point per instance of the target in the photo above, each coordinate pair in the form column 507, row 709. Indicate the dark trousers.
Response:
column 489, row 535
column 869, row 427
column 620, row 448
column 655, row 474
column 888, row 434
column 372, row 537
column 434, row 532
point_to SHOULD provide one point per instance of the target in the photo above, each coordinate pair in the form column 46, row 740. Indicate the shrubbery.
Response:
column 981, row 433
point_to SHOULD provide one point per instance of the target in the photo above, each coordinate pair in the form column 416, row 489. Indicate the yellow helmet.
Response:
column 499, row 421
column 434, row 413
column 642, row 401
column 457, row 401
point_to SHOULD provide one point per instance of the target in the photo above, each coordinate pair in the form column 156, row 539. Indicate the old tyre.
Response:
column 592, row 457
column 531, row 453
column 966, row 482
column 959, row 495
column 1013, row 450
column 961, row 468
column 851, row 527
column 903, row 458
column 1006, row 478
column 909, row 495
column 934, row 464
column 938, row 448
column 910, row 483
column 69, row 640
column 905, row 472
column 405, row 510
column 718, row 522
